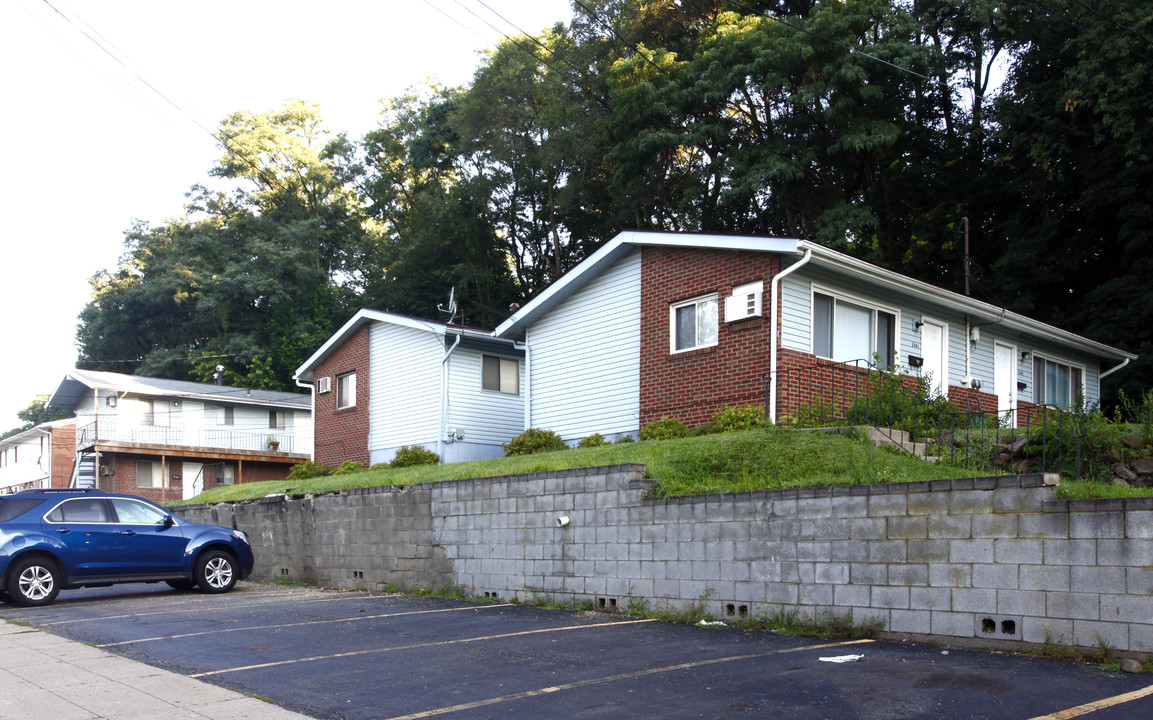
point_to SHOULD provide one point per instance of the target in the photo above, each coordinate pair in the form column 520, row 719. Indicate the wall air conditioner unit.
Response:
column 323, row 384
column 105, row 470
column 745, row 302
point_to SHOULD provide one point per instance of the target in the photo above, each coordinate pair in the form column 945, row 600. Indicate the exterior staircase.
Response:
column 84, row 470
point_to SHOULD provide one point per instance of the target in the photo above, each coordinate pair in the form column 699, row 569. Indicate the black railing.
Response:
column 906, row 410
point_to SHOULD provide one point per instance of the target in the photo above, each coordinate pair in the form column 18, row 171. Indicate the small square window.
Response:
column 345, row 390
column 500, row 374
column 149, row 474
column 276, row 419
column 693, row 324
column 226, row 416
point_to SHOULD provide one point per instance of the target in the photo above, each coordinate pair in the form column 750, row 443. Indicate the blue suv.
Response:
column 67, row 538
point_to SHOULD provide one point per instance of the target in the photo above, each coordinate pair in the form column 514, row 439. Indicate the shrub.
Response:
column 666, row 428
column 624, row 439
column 594, row 440
column 410, row 455
column 534, row 440
column 742, row 417
column 306, row 470
column 348, row 467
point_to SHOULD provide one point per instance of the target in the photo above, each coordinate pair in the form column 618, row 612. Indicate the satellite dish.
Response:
column 449, row 309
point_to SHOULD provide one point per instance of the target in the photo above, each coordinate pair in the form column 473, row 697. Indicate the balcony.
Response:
column 191, row 437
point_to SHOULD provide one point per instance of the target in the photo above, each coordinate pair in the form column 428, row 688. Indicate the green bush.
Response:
column 534, row 440
column 741, row 417
column 594, row 440
column 624, row 439
column 410, row 455
column 348, row 467
column 666, row 428
column 306, row 470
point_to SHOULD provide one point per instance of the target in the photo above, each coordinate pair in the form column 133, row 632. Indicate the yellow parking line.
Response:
column 300, row 624
column 613, row 678
column 1097, row 705
column 354, row 653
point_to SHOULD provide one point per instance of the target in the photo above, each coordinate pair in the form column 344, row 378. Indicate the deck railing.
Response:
column 182, row 436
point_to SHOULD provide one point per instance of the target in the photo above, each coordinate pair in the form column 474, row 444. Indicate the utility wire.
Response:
column 852, row 50
column 1126, row 28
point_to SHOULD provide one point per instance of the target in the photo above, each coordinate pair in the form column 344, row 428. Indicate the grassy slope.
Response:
column 766, row 459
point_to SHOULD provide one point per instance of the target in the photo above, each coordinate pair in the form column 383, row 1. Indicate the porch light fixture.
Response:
column 1026, row 356
column 917, row 326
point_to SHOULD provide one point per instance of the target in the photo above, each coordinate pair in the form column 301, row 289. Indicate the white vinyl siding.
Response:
column 404, row 382
column 585, row 357
column 482, row 416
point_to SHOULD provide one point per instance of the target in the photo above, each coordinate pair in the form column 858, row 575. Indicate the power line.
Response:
column 1126, row 28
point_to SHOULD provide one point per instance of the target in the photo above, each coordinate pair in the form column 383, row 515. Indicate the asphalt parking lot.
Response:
column 360, row 655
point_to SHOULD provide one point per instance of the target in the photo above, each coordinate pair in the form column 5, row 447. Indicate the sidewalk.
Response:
column 43, row 675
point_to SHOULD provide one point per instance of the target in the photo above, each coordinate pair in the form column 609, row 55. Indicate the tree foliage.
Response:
column 876, row 127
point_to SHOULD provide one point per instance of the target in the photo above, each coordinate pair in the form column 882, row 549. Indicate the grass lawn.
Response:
column 763, row 459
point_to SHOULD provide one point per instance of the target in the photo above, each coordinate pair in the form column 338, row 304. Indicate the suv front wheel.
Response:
column 215, row 571
column 33, row 581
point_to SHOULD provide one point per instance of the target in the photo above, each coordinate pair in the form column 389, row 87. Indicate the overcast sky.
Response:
column 90, row 147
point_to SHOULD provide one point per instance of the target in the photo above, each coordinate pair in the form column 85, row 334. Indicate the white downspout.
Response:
column 40, row 460
column 527, row 381
column 443, row 421
column 312, row 391
column 774, row 293
column 1110, row 371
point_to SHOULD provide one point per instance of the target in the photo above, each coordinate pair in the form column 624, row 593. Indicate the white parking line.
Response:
column 613, row 678
column 415, row 646
column 301, row 624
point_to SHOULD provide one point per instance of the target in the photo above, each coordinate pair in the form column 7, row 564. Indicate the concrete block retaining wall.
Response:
column 976, row 558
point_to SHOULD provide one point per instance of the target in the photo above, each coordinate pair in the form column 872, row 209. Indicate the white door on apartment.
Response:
column 934, row 349
column 193, row 479
column 1005, row 380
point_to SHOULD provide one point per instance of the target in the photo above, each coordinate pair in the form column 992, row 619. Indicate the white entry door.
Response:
column 193, row 479
column 1005, row 380
column 935, row 350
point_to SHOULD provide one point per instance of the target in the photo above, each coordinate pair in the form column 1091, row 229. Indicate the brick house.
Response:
column 681, row 325
column 385, row 381
column 169, row 439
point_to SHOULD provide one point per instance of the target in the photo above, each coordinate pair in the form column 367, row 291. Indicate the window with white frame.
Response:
column 149, row 474
column 226, row 416
column 345, row 390
column 226, row 474
column 846, row 330
column 693, row 324
column 276, row 419
column 1056, row 383
column 500, row 374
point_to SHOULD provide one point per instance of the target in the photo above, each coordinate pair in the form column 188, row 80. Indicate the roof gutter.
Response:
column 1112, row 370
column 773, row 333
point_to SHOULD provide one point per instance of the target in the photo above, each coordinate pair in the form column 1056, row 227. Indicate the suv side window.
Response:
column 80, row 510
column 131, row 512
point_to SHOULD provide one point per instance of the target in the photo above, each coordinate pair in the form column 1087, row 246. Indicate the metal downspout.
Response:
column 773, row 333
column 1110, row 371
column 442, row 424
column 312, row 391
column 527, row 381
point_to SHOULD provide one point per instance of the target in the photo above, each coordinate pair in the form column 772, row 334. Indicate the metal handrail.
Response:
column 902, row 408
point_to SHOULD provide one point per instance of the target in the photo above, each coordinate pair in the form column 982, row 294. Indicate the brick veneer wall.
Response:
column 63, row 454
column 993, row 558
column 692, row 385
column 343, row 434
column 123, row 477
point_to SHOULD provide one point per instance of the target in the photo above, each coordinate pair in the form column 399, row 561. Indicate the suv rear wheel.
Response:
column 34, row 581
column 215, row 571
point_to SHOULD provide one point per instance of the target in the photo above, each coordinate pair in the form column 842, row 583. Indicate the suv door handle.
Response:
column 127, row 532
column 63, row 531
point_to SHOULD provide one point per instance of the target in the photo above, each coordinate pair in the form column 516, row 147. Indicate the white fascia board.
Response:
column 362, row 317
column 621, row 244
column 986, row 311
